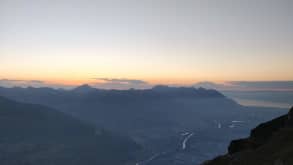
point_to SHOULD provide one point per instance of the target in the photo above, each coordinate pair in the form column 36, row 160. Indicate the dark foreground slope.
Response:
column 270, row 143
column 37, row 135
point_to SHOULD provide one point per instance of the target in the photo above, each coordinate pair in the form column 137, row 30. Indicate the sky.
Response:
column 137, row 43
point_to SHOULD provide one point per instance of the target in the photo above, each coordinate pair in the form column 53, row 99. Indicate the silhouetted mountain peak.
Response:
column 161, row 87
column 165, row 88
column 85, row 88
column 186, row 91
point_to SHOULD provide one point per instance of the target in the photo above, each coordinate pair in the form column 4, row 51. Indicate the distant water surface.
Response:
column 276, row 99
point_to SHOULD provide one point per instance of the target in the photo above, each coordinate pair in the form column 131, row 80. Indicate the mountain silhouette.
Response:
column 34, row 134
column 270, row 143
column 85, row 88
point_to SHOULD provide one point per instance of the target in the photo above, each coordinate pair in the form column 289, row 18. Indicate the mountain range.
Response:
column 156, row 119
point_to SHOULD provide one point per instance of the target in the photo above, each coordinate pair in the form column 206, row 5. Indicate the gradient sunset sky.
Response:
column 158, row 41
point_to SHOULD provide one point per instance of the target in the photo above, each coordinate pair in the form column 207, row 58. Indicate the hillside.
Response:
column 152, row 110
column 37, row 135
column 270, row 143
column 156, row 118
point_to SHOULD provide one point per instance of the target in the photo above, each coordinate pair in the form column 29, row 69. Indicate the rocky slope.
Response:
column 270, row 143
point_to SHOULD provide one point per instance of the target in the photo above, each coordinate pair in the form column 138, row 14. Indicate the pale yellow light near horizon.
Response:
column 73, row 66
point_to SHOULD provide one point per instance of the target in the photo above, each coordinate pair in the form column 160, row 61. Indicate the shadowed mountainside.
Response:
column 34, row 134
column 270, row 143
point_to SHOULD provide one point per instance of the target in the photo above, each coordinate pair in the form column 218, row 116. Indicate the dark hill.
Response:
column 84, row 89
column 270, row 143
column 37, row 135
